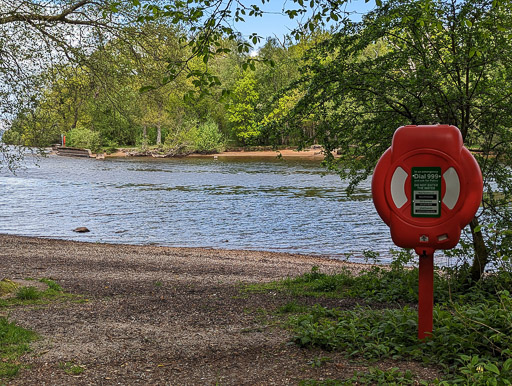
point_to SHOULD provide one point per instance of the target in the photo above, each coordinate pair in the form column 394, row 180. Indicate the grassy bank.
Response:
column 471, row 341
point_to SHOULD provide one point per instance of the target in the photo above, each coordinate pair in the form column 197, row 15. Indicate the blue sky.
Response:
column 275, row 24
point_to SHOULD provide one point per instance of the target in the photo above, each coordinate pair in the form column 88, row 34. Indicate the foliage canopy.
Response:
column 416, row 62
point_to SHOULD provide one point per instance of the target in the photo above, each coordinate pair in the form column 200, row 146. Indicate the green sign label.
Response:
column 426, row 191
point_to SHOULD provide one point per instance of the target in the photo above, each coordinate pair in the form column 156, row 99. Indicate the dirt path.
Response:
column 157, row 315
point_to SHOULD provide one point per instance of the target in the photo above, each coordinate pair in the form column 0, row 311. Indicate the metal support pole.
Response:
column 426, row 295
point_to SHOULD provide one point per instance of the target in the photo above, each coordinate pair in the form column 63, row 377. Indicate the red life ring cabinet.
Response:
column 427, row 187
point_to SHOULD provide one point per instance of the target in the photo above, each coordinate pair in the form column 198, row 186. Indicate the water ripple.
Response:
column 289, row 206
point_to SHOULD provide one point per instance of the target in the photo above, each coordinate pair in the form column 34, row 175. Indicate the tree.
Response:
column 210, row 22
column 277, row 100
column 242, row 111
column 418, row 62
column 36, row 36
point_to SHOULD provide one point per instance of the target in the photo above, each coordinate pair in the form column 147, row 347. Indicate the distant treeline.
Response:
column 122, row 95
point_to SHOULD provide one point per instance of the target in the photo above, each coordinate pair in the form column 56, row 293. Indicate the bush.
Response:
column 84, row 138
column 208, row 138
column 190, row 137
column 181, row 140
column 12, row 137
column 110, row 146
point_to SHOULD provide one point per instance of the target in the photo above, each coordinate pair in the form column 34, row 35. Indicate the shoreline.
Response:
column 252, row 254
column 151, row 315
column 342, row 258
column 309, row 154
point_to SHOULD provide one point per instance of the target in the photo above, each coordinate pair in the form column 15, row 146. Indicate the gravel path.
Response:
column 158, row 315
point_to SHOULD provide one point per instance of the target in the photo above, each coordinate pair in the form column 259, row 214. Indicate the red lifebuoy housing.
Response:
column 427, row 187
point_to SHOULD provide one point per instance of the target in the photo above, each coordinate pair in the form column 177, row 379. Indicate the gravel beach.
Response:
column 159, row 315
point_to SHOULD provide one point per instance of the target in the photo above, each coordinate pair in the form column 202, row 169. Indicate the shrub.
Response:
column 12, row 137
column 110, row 146
column 190, row 137
column 84, row 138
column 208, row 138
column 181, row 140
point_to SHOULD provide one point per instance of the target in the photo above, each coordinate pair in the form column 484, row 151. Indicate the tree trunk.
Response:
column 481, row 253
column 75, row 119
column 158, row 135
column 144, row 137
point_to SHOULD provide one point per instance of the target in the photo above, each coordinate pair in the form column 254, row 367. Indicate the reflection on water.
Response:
column 274, row 205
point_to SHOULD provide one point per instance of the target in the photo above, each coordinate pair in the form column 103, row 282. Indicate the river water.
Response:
column 252, row 204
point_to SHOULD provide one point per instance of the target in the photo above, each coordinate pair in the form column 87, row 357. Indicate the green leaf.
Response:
column 492, row 367
column 146, row 88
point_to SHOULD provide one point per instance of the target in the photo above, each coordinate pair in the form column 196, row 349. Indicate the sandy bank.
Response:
column 310, row 154
column 285, row 154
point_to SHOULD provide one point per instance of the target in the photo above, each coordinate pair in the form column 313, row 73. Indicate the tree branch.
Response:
column 62, row 16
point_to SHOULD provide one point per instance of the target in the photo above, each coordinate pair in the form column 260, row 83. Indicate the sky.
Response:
column 274, row 24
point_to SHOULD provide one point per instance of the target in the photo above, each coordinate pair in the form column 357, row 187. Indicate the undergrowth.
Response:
column 382, row 284
column 472, row 337
column 373, row 376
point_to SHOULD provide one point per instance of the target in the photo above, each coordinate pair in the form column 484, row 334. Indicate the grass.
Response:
column 378, row 284
column 472, row 338
column 383, row 284
column 7, row 286
column 71, row 368
column 14, row 340
column 30, row 295
column 51, row 285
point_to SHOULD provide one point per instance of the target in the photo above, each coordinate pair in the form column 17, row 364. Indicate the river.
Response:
column 253, row 204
